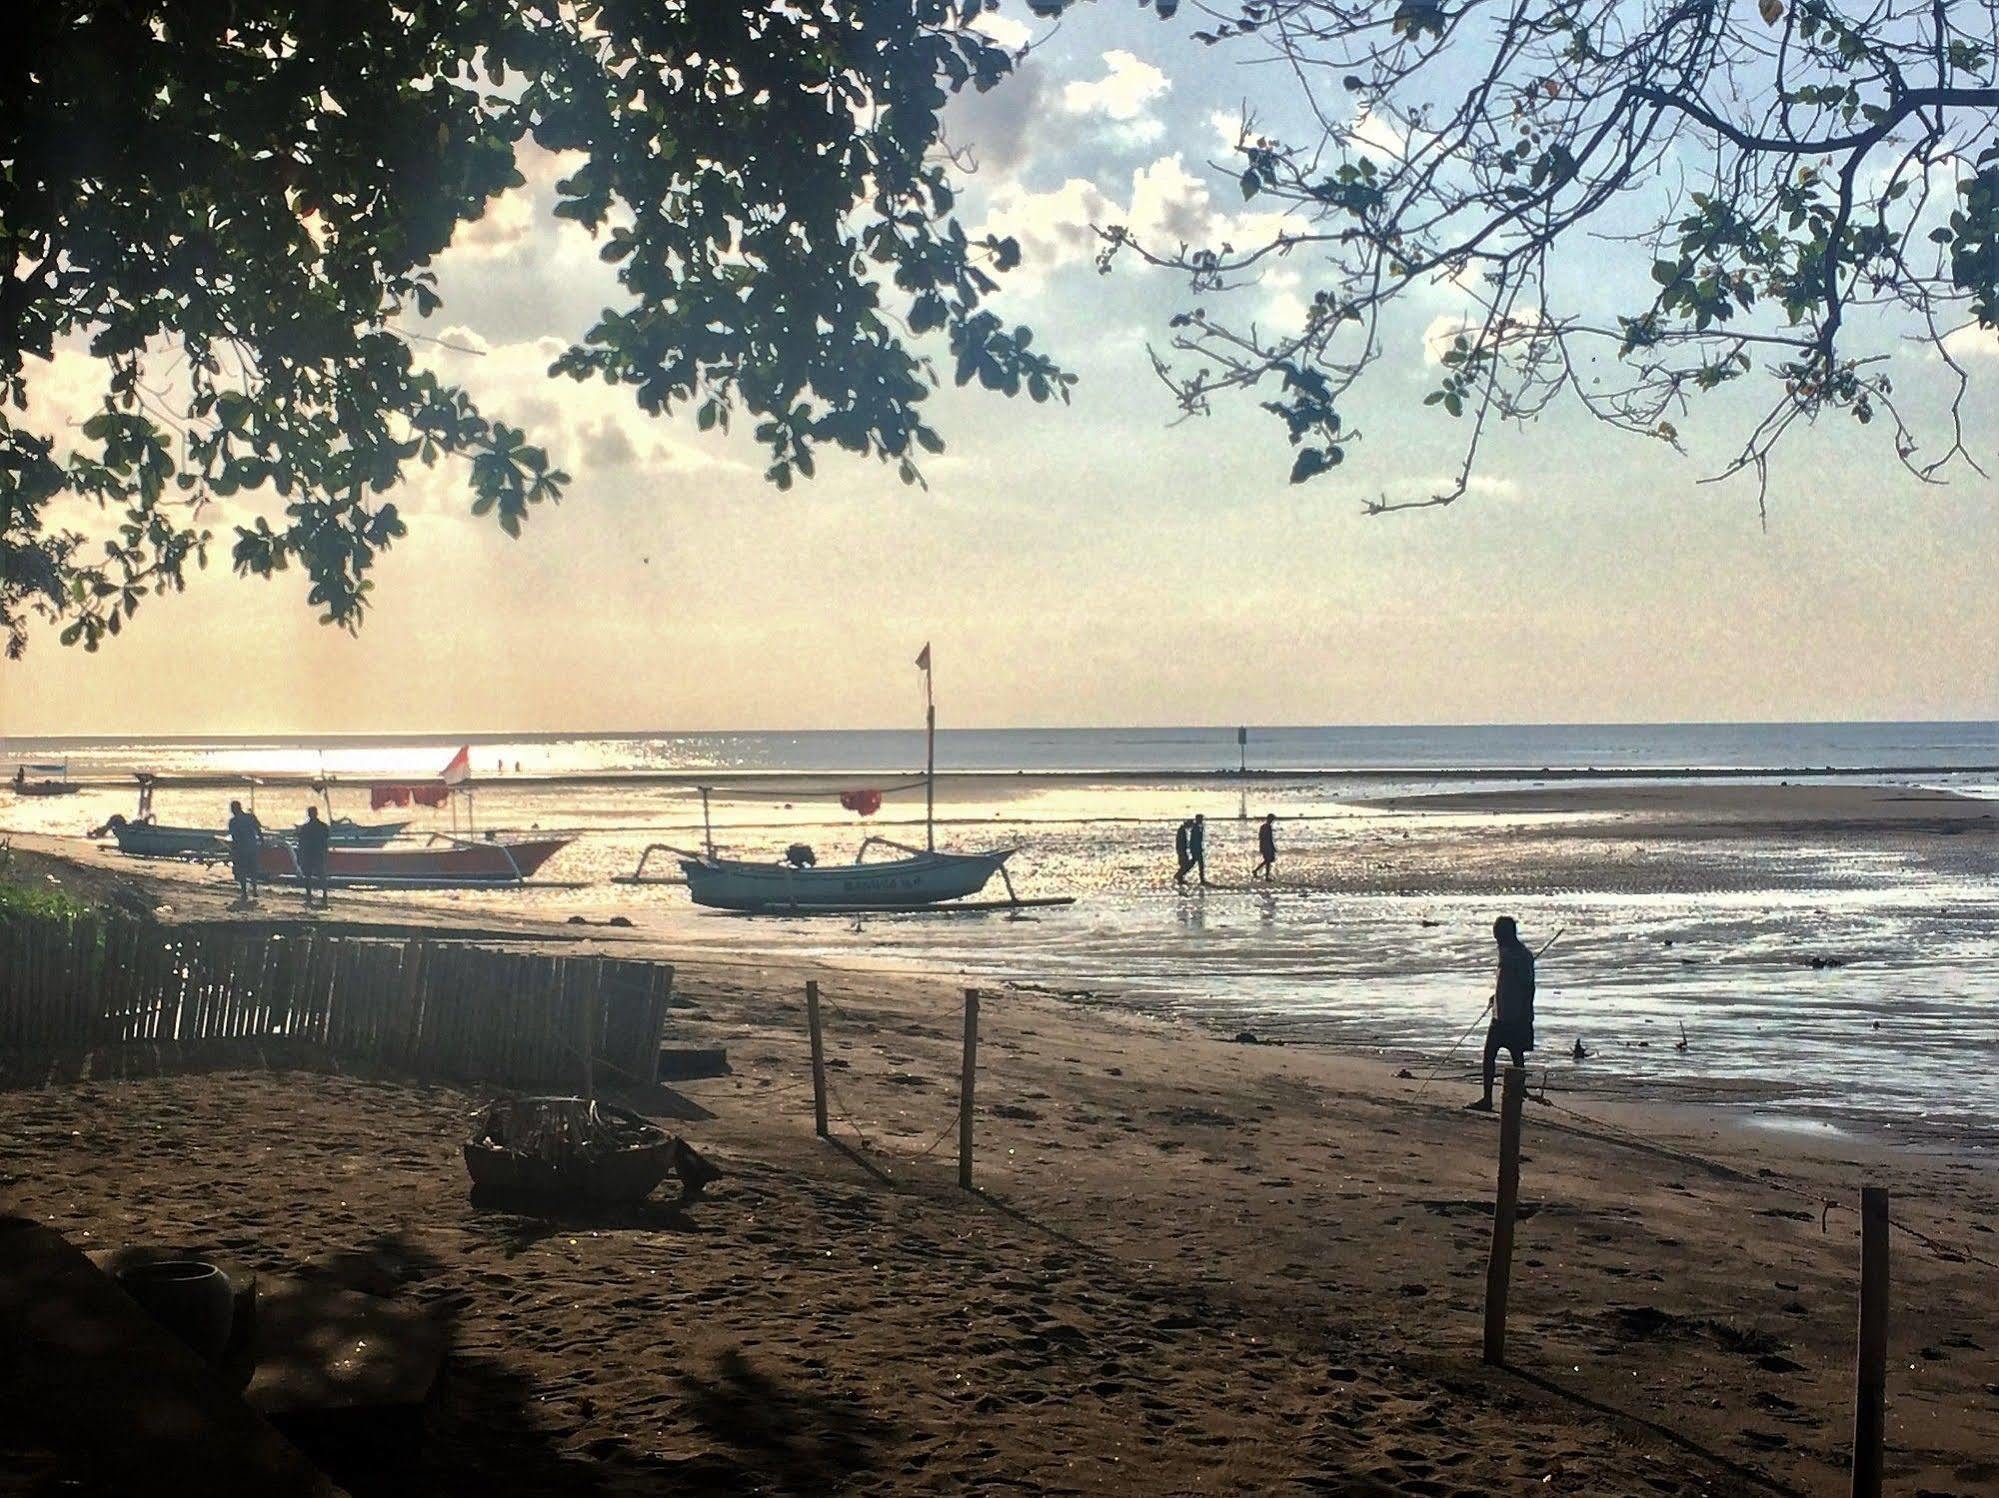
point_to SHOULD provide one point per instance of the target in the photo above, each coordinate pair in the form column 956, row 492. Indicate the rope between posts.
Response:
column 846, row 1113
column 1948, row 1252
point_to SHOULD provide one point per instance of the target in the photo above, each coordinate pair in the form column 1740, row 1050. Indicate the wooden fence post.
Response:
column 1499, row 1269
column 588, row 1002
column 965, row 1088
column 1870, row 1379
column 818, row 1057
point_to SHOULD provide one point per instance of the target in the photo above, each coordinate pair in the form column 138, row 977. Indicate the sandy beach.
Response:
column 1192, row 1265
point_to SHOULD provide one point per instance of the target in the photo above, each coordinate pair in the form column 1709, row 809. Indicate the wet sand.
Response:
column 1695, row 810
column 1193, row 1266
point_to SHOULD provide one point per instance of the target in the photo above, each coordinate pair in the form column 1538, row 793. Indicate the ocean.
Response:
column 1375, row 936
column 1476, row 750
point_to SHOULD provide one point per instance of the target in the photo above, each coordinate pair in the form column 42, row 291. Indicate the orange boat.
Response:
column 443, row 863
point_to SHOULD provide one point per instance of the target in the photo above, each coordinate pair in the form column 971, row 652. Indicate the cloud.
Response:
column 1522, row 327
column 996, row 126
column 1005, row 30
column 1444, row 328
column 1168, row 207
column 589, row 428
column 1972, row 342
column 1122, row 95
column 505, row 228
column 1379, row 137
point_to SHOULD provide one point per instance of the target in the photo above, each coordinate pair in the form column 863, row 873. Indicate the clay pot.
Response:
column 189, row 1297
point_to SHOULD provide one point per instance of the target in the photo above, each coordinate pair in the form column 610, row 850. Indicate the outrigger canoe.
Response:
column 150, row 839
column 444, row 863
column 922, row 879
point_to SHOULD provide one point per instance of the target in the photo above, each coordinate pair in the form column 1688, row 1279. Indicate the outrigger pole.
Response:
column 929, row 752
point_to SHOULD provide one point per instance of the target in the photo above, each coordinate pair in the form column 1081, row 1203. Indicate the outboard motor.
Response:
column 800, row 856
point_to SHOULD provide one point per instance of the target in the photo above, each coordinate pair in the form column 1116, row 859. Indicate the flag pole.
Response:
column 929, row 753
column 929, row 764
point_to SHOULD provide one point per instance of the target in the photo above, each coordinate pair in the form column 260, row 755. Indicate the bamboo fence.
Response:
column 434, row 1008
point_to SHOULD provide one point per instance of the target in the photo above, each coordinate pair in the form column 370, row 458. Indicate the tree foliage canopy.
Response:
column 1642, row 201
column 233, row 206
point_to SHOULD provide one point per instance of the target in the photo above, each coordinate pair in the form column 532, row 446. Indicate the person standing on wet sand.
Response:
column 1266, row 848
column 312, row 837
column 1512, row 1027
column 1182, row 836
column 246, row 838
column 1197, row 847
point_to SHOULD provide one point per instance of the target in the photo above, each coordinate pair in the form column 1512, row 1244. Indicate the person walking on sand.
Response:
column 1183, row 836
column 1512, row 1027
column 313, row 836
column 1197, row 847
column 246, row 837
column 1266, row 848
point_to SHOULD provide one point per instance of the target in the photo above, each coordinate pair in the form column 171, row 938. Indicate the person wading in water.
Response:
column 1512, row 1027
column 1266, row 848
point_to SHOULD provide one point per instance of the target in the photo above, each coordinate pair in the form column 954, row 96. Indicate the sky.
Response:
column 1100, row 563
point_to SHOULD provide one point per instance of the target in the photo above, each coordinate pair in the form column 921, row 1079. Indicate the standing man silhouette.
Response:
column 313, row 836
column 246, row 838
column 1197, row 847
column 1183, row 837
column 1266, row 847
column 1512, row 1027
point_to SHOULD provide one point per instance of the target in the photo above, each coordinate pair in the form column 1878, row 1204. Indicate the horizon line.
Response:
column 508, row 734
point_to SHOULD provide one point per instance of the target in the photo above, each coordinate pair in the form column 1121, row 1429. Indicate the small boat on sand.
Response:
column 147, row 838
column 924, row 877
column 59, row 786
column 442, row 863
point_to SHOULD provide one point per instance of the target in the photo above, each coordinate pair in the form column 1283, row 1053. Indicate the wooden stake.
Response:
column 818, row 1057
column 965, row 1088
column 1499, row 1269
column 588, row 999
column 1871, row 1375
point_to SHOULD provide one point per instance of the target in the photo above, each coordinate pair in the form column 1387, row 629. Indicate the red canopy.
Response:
column 867, row 803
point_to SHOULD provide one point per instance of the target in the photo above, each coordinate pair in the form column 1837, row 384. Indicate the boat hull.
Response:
column 924, row 879
column 46, row 788
column 149, row 840
column 152, row 840
column 440, row 866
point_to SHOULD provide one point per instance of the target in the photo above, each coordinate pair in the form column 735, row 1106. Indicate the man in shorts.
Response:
column 246, row 840
column 1512, row 1027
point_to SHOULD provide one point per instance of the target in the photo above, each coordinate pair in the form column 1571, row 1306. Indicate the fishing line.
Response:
column 1481, row 1015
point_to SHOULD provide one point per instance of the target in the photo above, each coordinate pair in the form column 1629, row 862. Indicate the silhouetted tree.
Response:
column 1640, row 202
column 232, row 207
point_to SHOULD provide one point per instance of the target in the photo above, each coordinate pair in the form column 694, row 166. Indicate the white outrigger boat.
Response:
column 924, row 879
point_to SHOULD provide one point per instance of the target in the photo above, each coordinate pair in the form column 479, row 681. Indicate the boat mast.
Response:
column 929, row 753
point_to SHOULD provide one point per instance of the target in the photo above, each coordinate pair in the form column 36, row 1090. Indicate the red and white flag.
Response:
column 460, row 769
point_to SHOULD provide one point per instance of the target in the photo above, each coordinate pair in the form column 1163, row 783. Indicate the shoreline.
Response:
column 1745, row 1106
column 1189, row 1265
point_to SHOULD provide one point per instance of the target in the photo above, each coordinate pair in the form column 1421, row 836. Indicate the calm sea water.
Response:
column 1452, row 748
column 1375, row 936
